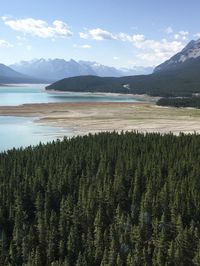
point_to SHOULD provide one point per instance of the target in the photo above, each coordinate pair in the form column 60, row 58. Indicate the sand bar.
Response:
column 83, row 118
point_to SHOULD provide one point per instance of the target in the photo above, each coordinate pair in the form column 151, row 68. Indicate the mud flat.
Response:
column 84, row 118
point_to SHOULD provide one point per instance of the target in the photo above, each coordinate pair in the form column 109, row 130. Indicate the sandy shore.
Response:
column 83, row 118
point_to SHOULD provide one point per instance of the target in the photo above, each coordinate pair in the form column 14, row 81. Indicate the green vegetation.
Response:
column 88, row 84
column 180, row 102
column 106, row 199
column 181, row 82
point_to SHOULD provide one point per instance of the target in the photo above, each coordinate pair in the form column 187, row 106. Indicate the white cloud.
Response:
column 152, row 51
column 4, row 43
column 39, row 28
column 97, row 34
column 20, row 38
column 131, row 38
column 4, row 18
column 84, row 46
column 197, row 35
column 148, row 51
column 156, row 52
column 116, row 58
column 169, row 30
column 181, row 35
column 84, row 35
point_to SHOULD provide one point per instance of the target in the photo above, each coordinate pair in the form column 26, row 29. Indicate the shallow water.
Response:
column 21, row 132
column 36, row 94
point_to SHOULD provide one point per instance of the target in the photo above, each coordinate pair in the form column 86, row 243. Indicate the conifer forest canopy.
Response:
column 107, row 199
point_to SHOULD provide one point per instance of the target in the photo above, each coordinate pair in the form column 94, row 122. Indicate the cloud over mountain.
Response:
column 148, row 50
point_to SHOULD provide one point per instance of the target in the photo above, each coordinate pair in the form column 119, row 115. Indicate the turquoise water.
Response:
column 36, row 94
column 21, row 132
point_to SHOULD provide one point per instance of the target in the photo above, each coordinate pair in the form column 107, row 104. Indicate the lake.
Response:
column 37, row 94
column 23, row 131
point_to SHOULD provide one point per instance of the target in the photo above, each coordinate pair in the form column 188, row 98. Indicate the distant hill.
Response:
column 8, row 75
column 56, row 69
column 97, row 84
column 178, row 76
column 89, row 84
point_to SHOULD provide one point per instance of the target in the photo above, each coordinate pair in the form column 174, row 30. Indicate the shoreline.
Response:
column 16, row 85
column 84, row 118
column 141, row 97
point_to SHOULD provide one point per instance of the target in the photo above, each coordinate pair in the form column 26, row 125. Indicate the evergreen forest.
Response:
column 107, row 199
column 193, row 102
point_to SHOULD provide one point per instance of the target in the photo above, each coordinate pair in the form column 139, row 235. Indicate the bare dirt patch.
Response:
column 83, row 118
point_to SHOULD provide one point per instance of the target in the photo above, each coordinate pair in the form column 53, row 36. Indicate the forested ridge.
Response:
column 107, row 199
column 179, row 83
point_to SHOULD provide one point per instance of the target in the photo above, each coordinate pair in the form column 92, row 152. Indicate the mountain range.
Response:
column 178, row 76
column 55, row 69
column 50, row 70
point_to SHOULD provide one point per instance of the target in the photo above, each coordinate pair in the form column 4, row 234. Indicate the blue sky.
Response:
column 112, row 32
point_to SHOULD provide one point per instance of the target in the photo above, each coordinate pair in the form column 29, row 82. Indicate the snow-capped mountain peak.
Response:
column 192, row 50
column 55, row 69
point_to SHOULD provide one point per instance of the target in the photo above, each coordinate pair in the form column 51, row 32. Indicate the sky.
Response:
column 119, row 33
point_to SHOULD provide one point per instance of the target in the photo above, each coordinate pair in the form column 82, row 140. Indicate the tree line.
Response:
column 193, row 102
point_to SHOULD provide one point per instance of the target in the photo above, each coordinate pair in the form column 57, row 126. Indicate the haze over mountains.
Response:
column 8, row 75
column 55, row 69
column 50, row 70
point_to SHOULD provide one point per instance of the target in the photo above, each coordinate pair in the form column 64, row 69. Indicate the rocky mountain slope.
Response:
column 186, row 58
